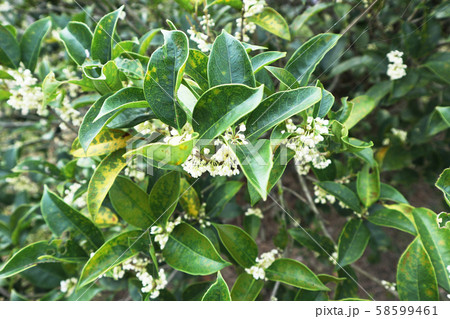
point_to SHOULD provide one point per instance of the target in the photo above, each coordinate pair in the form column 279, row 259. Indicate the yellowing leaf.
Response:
column 105, row 142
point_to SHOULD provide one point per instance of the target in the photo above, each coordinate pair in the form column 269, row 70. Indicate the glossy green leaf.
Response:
column 107, row 141
column 246, row 288
column 166, row 154
column 197, row 68
column 77, row 38
column 352, row 242
column 9, row 49
column 285, row 77
column 439, row 65
column 416, row 279
column 294, row 273
column 221, row 196
column 239, row 244
column 368, row 185
column 102, row 180
column 229, row 63
column 362, row 106
column 392, row 218
column 304, row 61
column 105, row 79
column 256, row 162
column 164, row 197
column 189, row 251
column 341, row 192
column 270, row 20
column 163, row 78
column 388, row 192
column 322, row 108
column 112, row 253
column 310, row 11
column 129, row 97
column 443, row 183
column 146, row 39
column 61, row 217
column 279, row 107
column 103, row 39
column 218, row 291
column 130, row 202
column 312, row 240
column 263, row 59
column 231, row 102
column 39, row 167
column 436, row 242
column 30, row 44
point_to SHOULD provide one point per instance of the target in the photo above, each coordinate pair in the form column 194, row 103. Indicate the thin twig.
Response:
column 69, row 125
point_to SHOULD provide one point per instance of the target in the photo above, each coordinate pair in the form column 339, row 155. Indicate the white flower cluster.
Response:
column 389, row 285
column 68, row 285
column 254, row 212
column 69, row 114
column 69, row 196
column 396, row 68
column 400, row 134
column 25, row 96
column 199, row 37
column 132, row 170
column 322, row 197
column 139, row 266
column 333, row 258
column 201, row 218
column 262, row 263
column 223, row 162
column 22, row 183
column 162, row 234
column 251, row 8
column 149, row 127
column 304, row 141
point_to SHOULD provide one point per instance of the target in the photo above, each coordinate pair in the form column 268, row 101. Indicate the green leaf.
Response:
column 312, row 240
column 394, row 219
column 189, row 251
column 304, row 61
column 294, row 273
column 416, row 279
column 388, row 192
column 102, row 180
column 39, row 167
column 130, row 202
column 38, row 253
column 246, row 288
column 61, row 217
column 279, row 107
column 443, row 183
column 239, row 244
column 285, row 77
column 368, row 185
column 30, row 44
column 229, row 62
column 256, row 163
column 112, row 253
column 341, row 192
column 77, row 38
column 322, row 108
column 231, row 102
column 352, row 242
column 197, row 68
column 439, row 65
column 109, row 79
column 436, row 242
column 9, row 49
column 270, row 20
column 164, row 197
column 263, row 59
column 301, row 19
column 146, row 39
column 103, row 39
column 129, row 97
column 220, row 196
column 163, row 78
column 218, row 290
column 362, row 106
column 107, row 141
column 166, row 154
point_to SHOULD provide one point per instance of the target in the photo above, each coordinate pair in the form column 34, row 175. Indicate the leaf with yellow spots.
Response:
column 102, row 180
column 107, row 141
column 189, row 199
column 109, row 79
column 102, row 42
column 436, row 242
column 163, row 78
column 104, row 218
column 77, row 38
column 197, row 68
column 416, row 279
column 352, row 242
column 164, row 153
column 164, row 197
column 270, row 20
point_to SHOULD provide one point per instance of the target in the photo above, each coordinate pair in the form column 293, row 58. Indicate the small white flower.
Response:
column 255, row 212
column 262, row 263
column 68, row 285
column 396, row 68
